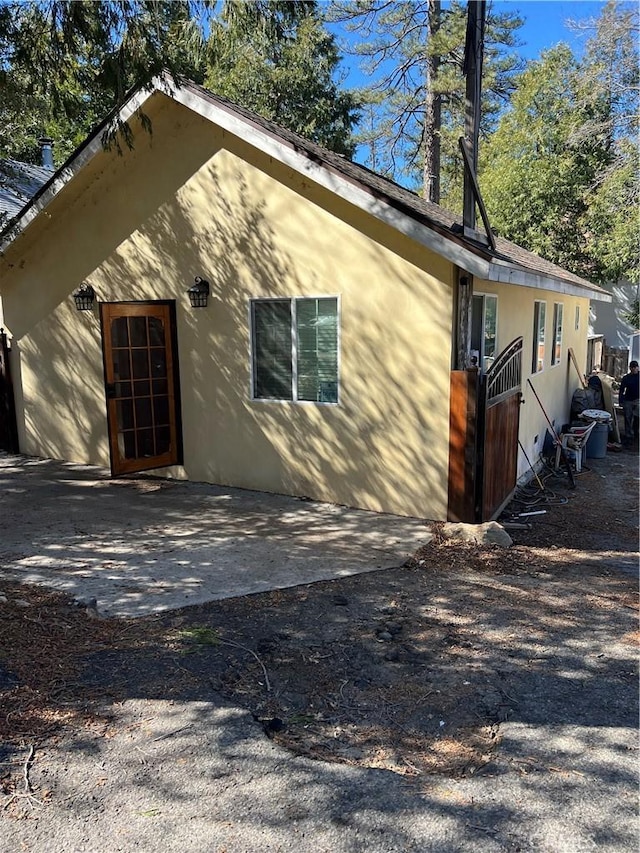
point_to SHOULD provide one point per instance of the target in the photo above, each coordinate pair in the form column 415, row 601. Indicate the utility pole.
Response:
column 476, row 14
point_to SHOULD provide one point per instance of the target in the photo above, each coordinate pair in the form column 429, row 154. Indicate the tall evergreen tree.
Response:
column 414, row 52
column 278, row 60
column 559, row 175
column 65, row 64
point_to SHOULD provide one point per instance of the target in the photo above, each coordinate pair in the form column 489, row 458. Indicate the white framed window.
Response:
column 484, row 329
column 294, row 349
column 556, row 352
column 539, row 322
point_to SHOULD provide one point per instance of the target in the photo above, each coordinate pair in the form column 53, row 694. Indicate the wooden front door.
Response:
column 141, row 381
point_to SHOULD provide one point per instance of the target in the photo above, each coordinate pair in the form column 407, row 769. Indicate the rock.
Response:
column 384, row 635
column 340, row 601
column 489, row 533
column 393, row 627
column 392, row 655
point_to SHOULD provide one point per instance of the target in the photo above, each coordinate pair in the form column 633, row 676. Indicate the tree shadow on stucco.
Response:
column 544, row 673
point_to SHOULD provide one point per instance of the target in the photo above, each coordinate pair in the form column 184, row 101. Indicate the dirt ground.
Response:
column 413, row 669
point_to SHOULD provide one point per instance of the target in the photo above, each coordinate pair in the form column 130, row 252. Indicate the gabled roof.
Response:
column 19, row 182
column 427, row 223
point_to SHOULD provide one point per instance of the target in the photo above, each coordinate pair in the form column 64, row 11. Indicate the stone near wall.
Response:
column 489, row 533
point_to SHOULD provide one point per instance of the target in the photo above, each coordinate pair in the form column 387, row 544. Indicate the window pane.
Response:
column 558, row 311
column 317, row 349
column 539, row 317
column 490, row 330
column 272, row 362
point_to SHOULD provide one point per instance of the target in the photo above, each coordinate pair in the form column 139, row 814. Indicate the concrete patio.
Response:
column 142, row 544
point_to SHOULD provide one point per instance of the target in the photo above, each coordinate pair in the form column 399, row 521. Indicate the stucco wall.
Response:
column 554, row 384
column 192, row 200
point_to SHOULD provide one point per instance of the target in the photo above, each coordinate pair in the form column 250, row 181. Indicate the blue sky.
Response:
column 545, row 26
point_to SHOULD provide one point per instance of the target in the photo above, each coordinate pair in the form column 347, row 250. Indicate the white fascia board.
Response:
column 332, row 181
column 63, row 176
column 506, row 274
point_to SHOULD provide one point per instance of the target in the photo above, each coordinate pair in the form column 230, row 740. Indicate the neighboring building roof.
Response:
column 428, row 223
column 19, row 182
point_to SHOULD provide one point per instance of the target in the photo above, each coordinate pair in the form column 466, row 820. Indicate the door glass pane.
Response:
column 140, row 363
column 143, row 412
column 163, row 440
column 156, row 332
column 141, row 388
column 127, row 444
column 121, row 369
column 158, row 362
column 138, row 331
column 144, row 438
column 124, row 414
column 119, row 332
column 161, row 410
column 159, row 386
column 123, row 389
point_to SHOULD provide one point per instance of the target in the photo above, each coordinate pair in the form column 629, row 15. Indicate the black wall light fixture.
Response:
column 199, row 293
column 84, row 297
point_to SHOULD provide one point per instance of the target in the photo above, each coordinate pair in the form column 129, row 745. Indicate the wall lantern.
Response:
column 199, row 293
column 84, row 297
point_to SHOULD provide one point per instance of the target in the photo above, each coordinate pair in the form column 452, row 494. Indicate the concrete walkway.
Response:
column 142, row 545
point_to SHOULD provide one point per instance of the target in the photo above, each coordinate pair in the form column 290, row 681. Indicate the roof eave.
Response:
column 507, row 274
column 385, row 210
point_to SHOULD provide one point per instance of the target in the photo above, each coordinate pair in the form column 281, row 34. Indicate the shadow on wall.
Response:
column 383, row 445
column 387, row 394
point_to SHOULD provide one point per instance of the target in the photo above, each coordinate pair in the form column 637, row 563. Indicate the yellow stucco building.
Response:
column 321, row 365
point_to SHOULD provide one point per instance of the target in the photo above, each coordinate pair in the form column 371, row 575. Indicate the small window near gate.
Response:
column 556, row 353
column 484, row 329
column 539, row 320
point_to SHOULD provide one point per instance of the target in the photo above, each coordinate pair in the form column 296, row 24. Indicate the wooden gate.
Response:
column 8, row 425
column 498, row 423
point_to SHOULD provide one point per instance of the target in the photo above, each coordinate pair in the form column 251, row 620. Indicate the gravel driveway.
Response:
column 164, row 766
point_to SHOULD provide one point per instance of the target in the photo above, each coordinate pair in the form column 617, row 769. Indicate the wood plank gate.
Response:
column 8, row 423
column 483, row 437
column 498, row 423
